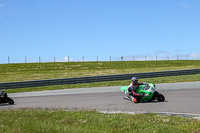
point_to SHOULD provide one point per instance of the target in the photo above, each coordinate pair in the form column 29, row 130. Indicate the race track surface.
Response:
column 183, row 98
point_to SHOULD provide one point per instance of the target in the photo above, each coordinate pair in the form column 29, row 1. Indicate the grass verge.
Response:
column 41, row 71
column 32, row 120
column 172, row 79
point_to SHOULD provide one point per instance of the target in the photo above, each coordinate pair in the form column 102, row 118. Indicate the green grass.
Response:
column 49, row 120
column 172, row 79
column 40, row 71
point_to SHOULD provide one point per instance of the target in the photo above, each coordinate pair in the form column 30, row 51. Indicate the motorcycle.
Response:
column 148, row 91
column 7, row 100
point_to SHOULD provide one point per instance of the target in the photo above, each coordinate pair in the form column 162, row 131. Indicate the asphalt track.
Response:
column 181, row 98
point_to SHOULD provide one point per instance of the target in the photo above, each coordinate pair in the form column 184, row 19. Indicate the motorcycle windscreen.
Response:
column 123, row 88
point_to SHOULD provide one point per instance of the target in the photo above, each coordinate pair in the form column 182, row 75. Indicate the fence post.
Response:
column 8, row 60
column 25, row 60
column 122, row 58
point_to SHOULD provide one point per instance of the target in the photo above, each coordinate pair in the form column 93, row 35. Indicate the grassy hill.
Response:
column 40, row 71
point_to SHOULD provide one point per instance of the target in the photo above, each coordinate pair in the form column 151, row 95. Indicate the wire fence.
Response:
column 39, row 59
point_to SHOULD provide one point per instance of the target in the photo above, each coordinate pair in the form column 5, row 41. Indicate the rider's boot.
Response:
column 134, row 99
column 130, row 97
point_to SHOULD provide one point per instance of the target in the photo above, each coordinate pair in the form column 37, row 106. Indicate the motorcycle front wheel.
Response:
column 10, row 101
column 158, row 96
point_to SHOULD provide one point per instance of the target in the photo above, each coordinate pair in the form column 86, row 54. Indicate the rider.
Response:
column 3, row 95
column 131, row 90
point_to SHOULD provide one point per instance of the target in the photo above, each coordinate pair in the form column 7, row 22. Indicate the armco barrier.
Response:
column 36, row 83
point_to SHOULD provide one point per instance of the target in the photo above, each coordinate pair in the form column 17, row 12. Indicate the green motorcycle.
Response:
column 148, row 91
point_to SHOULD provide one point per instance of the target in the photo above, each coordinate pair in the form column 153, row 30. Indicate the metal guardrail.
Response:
column 36, row 83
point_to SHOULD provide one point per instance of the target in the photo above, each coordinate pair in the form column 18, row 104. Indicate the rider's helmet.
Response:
column 3, row 93
column 134, row 80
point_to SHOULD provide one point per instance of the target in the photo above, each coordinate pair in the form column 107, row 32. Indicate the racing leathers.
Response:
column 3, row 95
column 135, row 97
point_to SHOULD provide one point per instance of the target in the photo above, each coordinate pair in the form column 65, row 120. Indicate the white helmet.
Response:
column 134, row 80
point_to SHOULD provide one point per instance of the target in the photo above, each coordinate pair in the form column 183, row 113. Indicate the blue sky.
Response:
column 104, row 28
